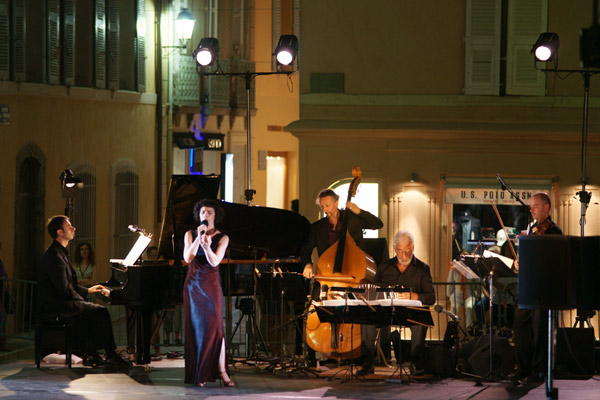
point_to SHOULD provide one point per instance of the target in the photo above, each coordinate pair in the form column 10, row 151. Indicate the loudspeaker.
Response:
column 441, row 361
column 575, row 350
column 546, row 277
column 476, row 356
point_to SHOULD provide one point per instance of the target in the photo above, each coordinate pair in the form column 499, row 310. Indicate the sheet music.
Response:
column 507, row 261
column 135, row 252
column 381, row 302
column 464, row 270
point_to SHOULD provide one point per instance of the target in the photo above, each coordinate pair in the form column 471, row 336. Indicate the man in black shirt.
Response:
column 61, row 296
column 408, row 271
column 326, row 231
column 530, row 326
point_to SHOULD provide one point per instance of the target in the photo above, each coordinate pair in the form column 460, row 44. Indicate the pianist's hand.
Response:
column 96, row 289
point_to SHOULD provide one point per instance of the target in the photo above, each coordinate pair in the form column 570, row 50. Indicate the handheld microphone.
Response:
column 205, row 223
column 502, row 184
column 440, row 309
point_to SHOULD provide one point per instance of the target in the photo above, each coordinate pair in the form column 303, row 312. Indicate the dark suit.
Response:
column 60, row 296
column 319, row 232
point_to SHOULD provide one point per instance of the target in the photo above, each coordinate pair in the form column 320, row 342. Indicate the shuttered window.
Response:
column 482, row 47
column 112, row 45
column 53, row 33
column 68, row 42
column 100, row 45
column 125, row 207
column 526, row 20
column 18, row 43
column 4, row 40
column 140, row 46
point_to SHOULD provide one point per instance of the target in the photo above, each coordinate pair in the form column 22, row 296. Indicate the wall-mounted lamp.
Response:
column 184, row 26
column 414, row 177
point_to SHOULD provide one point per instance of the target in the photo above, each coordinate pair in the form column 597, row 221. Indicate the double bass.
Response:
column 344, row 264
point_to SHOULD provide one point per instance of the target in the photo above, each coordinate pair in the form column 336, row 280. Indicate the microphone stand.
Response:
column 504, row 186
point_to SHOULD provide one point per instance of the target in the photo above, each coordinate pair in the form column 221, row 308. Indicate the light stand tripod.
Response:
column 246, row 306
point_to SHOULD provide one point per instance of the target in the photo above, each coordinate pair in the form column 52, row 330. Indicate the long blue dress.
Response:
column 202, row 305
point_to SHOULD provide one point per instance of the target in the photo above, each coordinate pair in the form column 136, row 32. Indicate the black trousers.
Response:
column 531, row 338
column 369, row 348
column 92, row 329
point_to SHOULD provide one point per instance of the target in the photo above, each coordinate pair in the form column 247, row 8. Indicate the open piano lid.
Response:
column 252, row 230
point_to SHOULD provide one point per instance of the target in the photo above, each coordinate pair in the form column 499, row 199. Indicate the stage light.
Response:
column 184, row 25
column 68, row 180
column 207, row 51
column 286, row 49
column 546, row 47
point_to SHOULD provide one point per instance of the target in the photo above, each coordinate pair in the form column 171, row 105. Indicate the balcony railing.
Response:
column 212, row 91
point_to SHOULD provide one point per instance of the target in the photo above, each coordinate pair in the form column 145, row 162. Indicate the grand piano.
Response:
column 256, row 234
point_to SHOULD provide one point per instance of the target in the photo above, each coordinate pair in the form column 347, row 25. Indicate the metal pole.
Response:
column 249, row 191
column 584, row 197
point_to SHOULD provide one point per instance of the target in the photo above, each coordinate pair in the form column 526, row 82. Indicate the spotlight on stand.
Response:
column 546, row 47
column 69, row 183
column 70, row 186
column 589, row 47
column 207, row 51
column 287, row 49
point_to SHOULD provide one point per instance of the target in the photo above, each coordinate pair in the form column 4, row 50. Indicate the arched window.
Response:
column 83, row 216
column 367, row 198
column 125, row 206
column 29, row 210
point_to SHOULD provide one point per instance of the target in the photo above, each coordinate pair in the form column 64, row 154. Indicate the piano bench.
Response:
column 48, row 339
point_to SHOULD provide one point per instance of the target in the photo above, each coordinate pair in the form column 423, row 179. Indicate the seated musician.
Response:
column 408, row 271
column 61, row 296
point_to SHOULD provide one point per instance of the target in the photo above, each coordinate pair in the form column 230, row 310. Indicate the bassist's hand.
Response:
column 353, row 207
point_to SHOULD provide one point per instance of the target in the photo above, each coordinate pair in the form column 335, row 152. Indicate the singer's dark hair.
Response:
column 214, row 204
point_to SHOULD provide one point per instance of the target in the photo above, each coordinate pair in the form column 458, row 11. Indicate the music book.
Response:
column 464, row 270
column 135, row 253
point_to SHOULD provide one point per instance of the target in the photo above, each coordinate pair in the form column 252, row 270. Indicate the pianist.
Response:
column 408, row 271
column 61, row 296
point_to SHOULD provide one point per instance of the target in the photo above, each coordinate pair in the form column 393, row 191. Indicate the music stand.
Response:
column 346, row 315
column 490, row 268
column 381, row 313
column 282, row 286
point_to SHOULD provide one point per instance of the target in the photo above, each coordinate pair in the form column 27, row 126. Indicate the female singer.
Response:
column 203, row 298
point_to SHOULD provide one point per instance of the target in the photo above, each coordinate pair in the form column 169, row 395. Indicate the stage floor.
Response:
column 22, row 380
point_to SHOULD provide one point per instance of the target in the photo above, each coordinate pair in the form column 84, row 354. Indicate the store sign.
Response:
column 483, row 196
